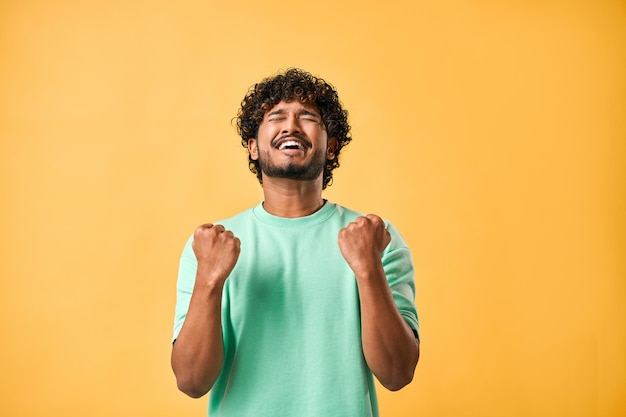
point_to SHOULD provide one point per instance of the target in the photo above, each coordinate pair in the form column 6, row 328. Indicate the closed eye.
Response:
column 307, row 115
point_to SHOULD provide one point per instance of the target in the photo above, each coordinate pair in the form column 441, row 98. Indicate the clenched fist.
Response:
column 362, row 243
column 216, row 250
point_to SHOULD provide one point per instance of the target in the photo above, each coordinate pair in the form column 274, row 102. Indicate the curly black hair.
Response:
column 294, row 84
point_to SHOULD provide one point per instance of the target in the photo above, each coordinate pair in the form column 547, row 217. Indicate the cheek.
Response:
column 315, row 132
column 265, row 135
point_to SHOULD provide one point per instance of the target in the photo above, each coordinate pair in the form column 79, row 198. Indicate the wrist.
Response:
column 370, row 273
column 210, row 278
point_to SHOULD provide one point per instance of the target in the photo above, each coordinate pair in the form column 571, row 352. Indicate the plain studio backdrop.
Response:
column 492, row 134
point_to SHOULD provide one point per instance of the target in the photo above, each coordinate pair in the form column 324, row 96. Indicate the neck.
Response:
column 292, row 198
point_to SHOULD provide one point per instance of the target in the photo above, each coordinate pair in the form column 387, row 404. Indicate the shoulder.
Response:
column 349, row 215
column 345, row 212
column 238, row 219
column 228, row 223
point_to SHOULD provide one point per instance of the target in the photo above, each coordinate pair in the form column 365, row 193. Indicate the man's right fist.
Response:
column 216, row 250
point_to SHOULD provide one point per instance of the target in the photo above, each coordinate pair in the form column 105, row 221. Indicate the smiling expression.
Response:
column 292, row 142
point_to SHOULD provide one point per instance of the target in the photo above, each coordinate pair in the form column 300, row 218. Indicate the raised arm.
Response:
column 389, row 345
column 198, row 352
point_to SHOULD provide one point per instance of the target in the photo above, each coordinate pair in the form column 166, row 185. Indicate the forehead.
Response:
column 293, row 106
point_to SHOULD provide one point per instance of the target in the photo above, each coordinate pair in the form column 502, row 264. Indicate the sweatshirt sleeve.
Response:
column 184, row 286
column 398, row 266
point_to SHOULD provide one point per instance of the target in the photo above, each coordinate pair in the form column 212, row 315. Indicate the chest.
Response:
column 286, row 276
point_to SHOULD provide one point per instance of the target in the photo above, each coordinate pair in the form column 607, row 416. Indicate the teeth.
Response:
column 290, row 144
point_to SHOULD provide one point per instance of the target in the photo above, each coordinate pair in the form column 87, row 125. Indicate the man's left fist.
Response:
column 362, row 243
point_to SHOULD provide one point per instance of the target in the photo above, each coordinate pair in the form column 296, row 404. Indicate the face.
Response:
column 292, row 142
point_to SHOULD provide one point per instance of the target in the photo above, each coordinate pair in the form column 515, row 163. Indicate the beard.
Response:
column 303, row 172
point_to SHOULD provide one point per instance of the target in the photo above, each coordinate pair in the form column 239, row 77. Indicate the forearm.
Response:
column 198, row 352
column 389, row 345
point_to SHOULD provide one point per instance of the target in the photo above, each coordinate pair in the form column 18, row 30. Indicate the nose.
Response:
column 291, row 124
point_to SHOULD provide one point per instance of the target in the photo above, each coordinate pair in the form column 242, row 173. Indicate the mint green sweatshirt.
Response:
column 291, row 318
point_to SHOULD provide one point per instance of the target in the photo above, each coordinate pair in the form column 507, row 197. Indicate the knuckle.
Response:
column 202, row 227
column 374, row 218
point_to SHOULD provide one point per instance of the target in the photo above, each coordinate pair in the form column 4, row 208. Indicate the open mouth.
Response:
column 291, row 144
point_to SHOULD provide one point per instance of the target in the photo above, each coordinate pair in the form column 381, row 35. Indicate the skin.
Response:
column 389, row 346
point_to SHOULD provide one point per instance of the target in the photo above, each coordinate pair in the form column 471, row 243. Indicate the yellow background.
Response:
column 492, row 134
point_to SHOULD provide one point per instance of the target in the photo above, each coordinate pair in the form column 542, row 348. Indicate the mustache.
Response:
column 295, row 135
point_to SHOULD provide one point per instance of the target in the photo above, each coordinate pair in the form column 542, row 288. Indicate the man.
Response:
column 291, row 307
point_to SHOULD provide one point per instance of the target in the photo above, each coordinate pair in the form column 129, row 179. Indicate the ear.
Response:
column 331, row 148
column 252, row 148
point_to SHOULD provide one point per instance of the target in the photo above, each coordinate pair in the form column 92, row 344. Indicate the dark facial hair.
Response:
column 307, row 172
